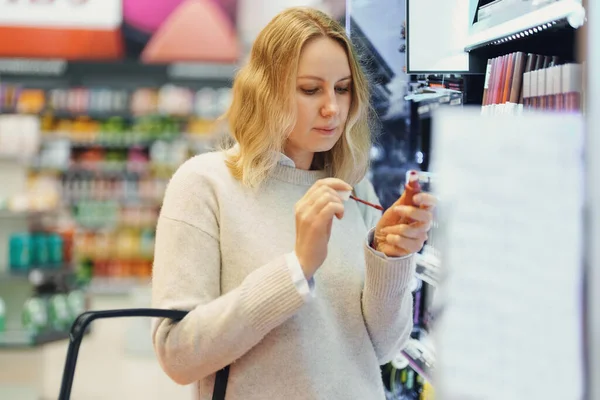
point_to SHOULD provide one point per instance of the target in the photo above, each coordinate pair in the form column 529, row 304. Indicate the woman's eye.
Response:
column 310, row 91
column 342, row 90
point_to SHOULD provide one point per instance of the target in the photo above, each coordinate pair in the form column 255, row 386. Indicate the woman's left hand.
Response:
column 394, row 237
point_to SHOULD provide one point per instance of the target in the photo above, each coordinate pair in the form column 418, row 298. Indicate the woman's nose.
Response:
column 330, row 108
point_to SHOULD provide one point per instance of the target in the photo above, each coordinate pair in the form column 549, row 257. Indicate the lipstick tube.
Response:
column 527, row 90
column 541, row 89
column 572, row 87
column 411, row 188
column 533, row 90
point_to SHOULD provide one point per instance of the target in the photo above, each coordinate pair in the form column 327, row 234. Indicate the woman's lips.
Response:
column 326, row 131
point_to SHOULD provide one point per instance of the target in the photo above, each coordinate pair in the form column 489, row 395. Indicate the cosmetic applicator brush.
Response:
column 346, row 194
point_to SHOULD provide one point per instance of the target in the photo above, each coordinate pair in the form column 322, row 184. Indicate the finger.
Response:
column 316, row 194
column 330, row 210
column 325, row 199
column 322, row 192
column 425, row 200
column 422, row 226
column 391, row 250
column 416, row 214
column 408, row 231
column 409, row 245
column 333, row 183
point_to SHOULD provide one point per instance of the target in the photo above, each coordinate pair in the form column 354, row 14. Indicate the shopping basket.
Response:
column 81, row 324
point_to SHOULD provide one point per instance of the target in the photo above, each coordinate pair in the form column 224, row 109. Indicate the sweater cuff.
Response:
column 378, row 253
column 387, row 276
column 305, row 287
column 269, row 296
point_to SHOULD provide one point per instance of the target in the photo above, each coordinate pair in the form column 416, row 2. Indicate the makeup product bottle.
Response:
column 533, row 90
column 558, row 102
column 541, row 89
column 411, row 188
column 526, row 90
column 34, row 315
column 550, row 95
column 572, row 87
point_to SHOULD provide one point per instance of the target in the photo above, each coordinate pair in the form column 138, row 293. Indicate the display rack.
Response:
column 100, row 154
column 421, row 360
column 111, row 134
column 463, row 43
column 551, row 28
column 519, row 22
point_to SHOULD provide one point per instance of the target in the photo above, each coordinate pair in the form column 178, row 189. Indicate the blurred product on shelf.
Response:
column 19, row 136
column 167, row 100
column 2, row 315
column 125, row 252
column 103, row 157
column 35, row 250
column 44, row 314
column 404, row 383
column 525, row 81
column 428, row 392
column 42, row 194
column 444, row 81
column 127, row 188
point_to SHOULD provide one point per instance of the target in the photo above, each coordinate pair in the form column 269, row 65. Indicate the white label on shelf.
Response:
column 488, row 73
column 32, row 67
column 77, row 14
column 511, row 294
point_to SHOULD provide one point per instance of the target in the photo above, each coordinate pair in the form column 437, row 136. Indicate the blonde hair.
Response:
column 262, row 113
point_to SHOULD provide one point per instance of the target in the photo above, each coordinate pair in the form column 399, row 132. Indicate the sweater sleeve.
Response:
column 386, row 300
column 219, row 328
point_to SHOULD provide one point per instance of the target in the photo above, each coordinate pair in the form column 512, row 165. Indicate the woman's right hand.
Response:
column 314, row 217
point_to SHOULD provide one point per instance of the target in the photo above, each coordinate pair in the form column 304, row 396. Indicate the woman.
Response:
column 284, row 280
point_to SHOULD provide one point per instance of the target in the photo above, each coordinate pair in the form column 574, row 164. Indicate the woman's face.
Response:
column 323, row 97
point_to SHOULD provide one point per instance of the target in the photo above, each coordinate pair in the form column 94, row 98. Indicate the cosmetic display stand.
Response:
column 463, row 44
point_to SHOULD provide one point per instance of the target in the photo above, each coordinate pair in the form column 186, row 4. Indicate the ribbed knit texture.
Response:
column 220, row 253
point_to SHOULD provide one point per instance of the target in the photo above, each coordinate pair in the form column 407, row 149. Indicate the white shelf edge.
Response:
column 420, row 364
column 22, row 214
column 116, row 286
column 572, row 10
column 431, row 267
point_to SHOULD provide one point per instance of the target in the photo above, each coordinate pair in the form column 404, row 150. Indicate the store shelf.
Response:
column 59, row 276
column 113, row 69
column 15, row 158
column 429, row 99
column 116, row 286
column 124, row 139
column 419, row 359
column 32, row 214
column 428, row 269
column 24, row 339
column 563, row 13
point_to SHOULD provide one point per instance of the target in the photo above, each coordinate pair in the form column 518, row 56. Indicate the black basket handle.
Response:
column 84, row 320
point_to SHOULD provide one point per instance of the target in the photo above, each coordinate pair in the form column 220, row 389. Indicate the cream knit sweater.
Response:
column 222, row 252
